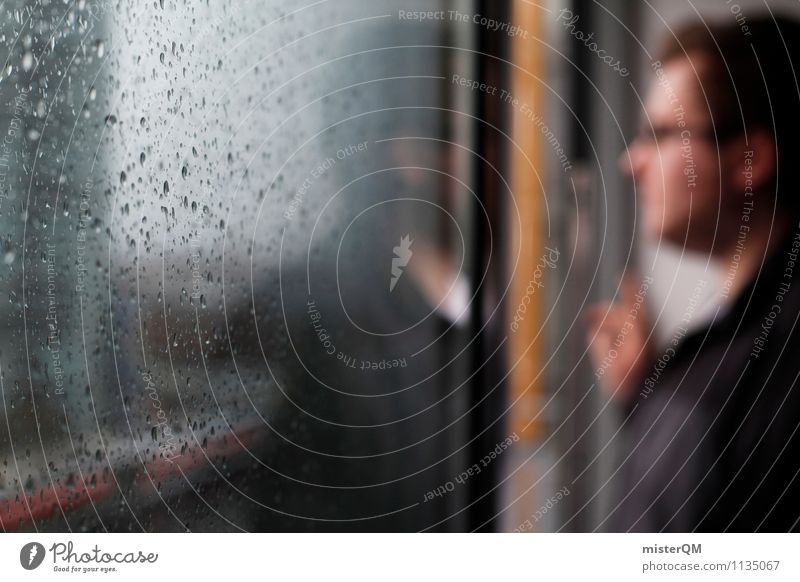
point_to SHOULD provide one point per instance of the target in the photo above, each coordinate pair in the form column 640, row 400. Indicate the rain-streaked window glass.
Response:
column 237, row 270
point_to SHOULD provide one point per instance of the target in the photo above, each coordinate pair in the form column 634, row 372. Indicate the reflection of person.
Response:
column 711, row 439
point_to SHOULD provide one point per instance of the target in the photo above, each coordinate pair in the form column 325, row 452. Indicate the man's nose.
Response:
column 625, row 160
column 631, row 159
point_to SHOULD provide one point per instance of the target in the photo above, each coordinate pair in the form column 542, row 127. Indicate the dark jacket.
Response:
column 712, row 441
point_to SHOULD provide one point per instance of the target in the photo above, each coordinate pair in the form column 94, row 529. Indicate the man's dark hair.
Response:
column 751, row 78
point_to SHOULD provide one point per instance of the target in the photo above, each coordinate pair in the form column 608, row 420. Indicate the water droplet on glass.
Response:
column 27, row 61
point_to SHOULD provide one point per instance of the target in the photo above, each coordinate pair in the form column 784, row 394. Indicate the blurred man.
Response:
column 711, row 419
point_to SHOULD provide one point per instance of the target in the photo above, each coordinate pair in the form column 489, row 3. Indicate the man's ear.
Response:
column 758, row 160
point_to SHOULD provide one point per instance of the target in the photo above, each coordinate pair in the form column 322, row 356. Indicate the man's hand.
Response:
column 619, row 341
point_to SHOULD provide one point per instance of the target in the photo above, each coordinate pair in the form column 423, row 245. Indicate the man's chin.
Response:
column 678, row 239
column 662, row 234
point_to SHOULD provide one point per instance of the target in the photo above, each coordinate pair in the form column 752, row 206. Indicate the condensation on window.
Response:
column 235, row 264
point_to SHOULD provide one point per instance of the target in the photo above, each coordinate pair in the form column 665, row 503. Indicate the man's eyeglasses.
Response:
column 659, row 134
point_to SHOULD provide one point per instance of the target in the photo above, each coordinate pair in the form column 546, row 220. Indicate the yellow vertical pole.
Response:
column 527, row 171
